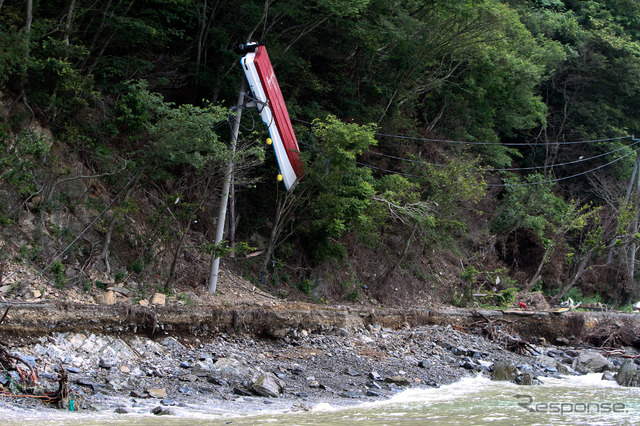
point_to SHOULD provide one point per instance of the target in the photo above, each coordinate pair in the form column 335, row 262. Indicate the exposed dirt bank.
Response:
column 275, row 319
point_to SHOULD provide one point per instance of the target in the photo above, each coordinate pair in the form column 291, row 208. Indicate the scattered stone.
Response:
column 351, row 372
column 268, row 385
column 504, row 371
column 162, row 411
column 373, row 393
column 608, row 375
column 108, row 363
column 300, row 406
column 562, row 341
column 351, row 394
column 399, row 380
column 172, row 343
column 375, row 376
column 168, row 402
column 241, row 392
column 121, row 290
column 628, row 375
column 591, row 362
column 107, row 298
column 157, row 393
column 527, row 380
column 202, row 369
column 159, row 299
column 121, row 410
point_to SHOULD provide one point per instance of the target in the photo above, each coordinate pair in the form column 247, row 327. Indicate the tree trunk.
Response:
column 385, row 277
column 582, row 268
column 174, row 263
column 104, row 254
column 67, row 26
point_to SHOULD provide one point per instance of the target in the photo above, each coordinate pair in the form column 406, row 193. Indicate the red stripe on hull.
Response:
column 279, row 109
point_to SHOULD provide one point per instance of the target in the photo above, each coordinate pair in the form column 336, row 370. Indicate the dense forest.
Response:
column 451, row 148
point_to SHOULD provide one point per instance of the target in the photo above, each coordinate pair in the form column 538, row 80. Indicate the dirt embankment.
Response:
column 276, row 319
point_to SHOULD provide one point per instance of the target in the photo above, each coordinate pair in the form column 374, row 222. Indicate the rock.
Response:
column 235, row 367
column 202, row 369
column 591, row 362
column 351, row 372
column 162, row 411
column 241, row 392
column 108, row 363
column 351, row 394
column 107, row 298
column 268, row 385
column 172, row 343
column 159, row 299
column 168, row 402
column 504, row 371
column 373, row 393
column 562, row 341
column 424, row 364
column 121, row 290
column 5, row 289
column 547, row 361
column 143, row 302
column 188, row 378
column 608, row 375
column 527, row 380
column 35, row 293
column 121, row 410
column 459, row 351
column 628, row 375
column 157, row 393
column 375, row 376
column 399, row 380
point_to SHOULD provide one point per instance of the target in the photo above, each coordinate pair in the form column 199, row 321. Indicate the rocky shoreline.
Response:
column 291, row 369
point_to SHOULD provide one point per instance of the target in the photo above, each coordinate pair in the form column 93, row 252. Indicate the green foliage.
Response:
column 342, row 190
column 21, row 160
column 304, row 286
column 530, row 204
column 178, row 135
column 469, row 275
column 136, row 266
column 57, row 270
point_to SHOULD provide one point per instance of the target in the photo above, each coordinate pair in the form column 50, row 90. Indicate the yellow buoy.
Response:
column 269, row 141
column 279, row 178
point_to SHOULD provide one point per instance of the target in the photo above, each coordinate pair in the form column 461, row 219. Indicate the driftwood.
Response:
column 499, row 330
column 28, row 386
column 613, row 333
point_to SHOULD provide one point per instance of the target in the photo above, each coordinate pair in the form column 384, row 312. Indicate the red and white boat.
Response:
column 273, row 111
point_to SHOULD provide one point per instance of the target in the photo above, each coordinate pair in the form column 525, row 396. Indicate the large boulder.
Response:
column 628, row 375
column 267, row 384
column 504, row 371
column 591, row 362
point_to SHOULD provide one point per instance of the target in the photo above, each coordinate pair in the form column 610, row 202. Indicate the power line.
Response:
column 520, row 183
column 495, row 143
column 580, row 160
column 569, row 177
column 415, row 138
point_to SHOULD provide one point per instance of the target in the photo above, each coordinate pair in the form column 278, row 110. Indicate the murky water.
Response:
column 571, row 401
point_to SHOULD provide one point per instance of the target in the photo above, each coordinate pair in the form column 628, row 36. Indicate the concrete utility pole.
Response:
column 228, row 176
